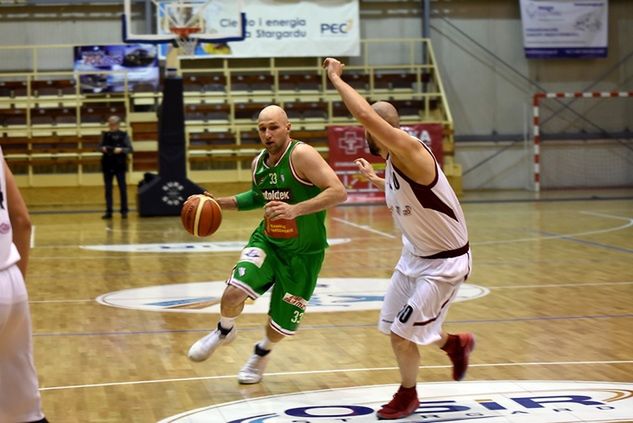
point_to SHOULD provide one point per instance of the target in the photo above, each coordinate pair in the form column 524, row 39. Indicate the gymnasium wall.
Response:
column 489, row 82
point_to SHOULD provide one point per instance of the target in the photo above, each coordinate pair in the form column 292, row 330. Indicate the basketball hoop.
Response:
column 186, row 45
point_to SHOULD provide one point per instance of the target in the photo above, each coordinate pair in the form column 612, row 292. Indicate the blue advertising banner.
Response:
column 105, row 68
column 564, row 28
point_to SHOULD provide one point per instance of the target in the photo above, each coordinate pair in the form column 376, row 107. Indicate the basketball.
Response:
column 201, row 215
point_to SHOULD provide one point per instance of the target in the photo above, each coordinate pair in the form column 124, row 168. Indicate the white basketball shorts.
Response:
column 419, row 295
column 19, row 395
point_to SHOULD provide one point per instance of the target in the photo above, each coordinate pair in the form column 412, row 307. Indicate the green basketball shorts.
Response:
column 292, row 277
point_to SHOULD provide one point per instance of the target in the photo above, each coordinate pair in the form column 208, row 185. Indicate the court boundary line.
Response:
column 590, row 197
column 554, row 285
column 367, row 228
column 564, row 236
column 364, row 227
column 252, row 327
column 330, row 371
column 572, row 237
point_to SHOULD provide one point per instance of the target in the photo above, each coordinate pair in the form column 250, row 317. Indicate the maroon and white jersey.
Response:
column 8, row 252
column 429, row 216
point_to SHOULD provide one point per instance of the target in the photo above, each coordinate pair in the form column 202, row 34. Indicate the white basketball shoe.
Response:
column 253, row 370
column 205, row 346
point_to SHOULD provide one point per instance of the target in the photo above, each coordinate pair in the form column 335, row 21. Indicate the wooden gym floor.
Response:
column 560, row 305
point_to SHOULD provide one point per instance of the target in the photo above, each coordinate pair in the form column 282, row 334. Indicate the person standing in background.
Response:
column 115, row 146
column 19, row 395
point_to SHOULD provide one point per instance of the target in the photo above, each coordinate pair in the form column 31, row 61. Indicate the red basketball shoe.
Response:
column 458, row 348
column 403, row 404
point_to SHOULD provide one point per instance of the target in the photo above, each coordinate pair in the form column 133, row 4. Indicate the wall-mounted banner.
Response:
column 431, row 134
column 565, row 28
column 281, row 28
column 347, row 143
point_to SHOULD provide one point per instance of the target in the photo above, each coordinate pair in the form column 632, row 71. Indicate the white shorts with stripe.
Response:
column 419, row 295
column 19, row 395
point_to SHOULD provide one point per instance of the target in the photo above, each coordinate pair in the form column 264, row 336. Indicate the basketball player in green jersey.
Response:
column 294, row 185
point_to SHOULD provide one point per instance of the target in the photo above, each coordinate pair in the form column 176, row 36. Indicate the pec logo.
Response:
column 336, row 28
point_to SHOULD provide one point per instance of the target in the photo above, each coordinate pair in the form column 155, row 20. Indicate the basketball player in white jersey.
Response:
column 435, row 257
column 19, row 395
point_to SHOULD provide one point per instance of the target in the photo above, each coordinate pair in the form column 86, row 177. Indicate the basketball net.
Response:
column 186, row 45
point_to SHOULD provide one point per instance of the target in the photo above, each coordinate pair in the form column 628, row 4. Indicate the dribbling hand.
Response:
column 206, row 194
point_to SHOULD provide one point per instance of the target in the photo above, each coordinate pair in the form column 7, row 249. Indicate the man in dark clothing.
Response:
column 115, row 146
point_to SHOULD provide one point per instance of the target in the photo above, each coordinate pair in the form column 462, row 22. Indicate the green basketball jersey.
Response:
column 305, row 234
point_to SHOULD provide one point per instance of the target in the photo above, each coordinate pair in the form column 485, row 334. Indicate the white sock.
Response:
column 266, row 344
column 227, row 322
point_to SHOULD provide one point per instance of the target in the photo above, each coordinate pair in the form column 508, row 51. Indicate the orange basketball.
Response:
column 201, row 215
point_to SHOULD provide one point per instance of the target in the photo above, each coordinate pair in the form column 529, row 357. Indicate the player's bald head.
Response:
column 273, row 112
column 388, row 112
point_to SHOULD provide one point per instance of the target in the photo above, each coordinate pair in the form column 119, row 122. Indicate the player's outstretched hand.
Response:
column 365, row 168
column 333, row 67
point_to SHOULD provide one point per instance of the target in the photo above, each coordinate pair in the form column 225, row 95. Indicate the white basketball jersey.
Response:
column 429, row 216
column 8, row 252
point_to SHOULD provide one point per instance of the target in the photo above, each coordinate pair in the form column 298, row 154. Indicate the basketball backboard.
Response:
column 189, row 22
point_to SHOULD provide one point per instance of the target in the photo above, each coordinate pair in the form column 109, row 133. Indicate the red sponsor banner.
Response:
column 347, row 143
column 432, row 134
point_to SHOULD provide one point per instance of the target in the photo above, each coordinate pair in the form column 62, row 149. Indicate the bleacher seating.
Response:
column 340, row 112
column 211, row 140
column 204, row 83
column 55, row 144
column 99, row 112
column 64, row 125
column 14, row 88
column 53, row 87
column 89, row 143
column 394, row 81
column 12, row 117
column 145, row 131
column 145, row 161
column 316, row 138
column 207, row 112
column 14, row 145
column 359, row 81
column 248, row 112
column 252, row 82
column 299, row 81
column 311, row 110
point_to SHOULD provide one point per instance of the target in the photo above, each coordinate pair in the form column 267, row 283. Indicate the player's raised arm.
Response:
column 385, row 132
column 382, row 126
